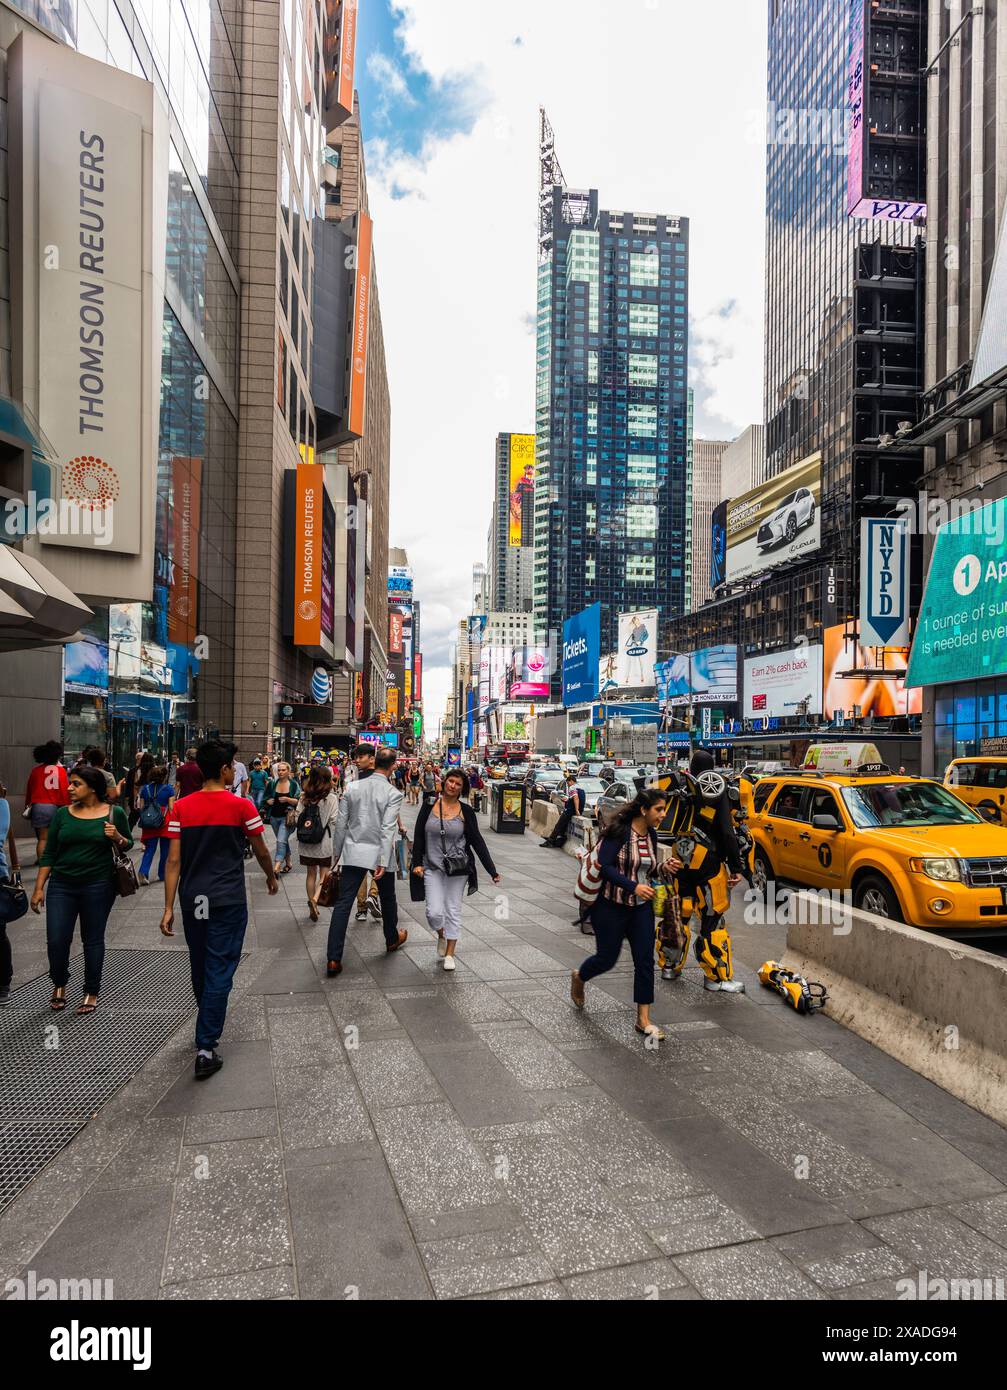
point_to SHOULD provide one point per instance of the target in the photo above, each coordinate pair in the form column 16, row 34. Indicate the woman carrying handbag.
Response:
column 13, row 898
column 279, row 807
column 81, row 865
column 446, row 841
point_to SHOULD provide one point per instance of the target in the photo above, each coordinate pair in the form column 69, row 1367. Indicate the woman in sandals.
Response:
column 629, row 861
column 79, row 868
column 315, row 810
column 445, row 842
column 282, row 796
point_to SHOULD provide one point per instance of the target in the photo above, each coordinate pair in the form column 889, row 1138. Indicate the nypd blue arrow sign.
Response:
column 884, row 582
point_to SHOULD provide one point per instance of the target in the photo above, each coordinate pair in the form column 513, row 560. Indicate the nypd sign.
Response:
column 884, row 582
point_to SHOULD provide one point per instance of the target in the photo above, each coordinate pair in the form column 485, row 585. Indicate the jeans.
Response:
column 214, row 946
column 350, row 881
column 148, row 856
column 443, row 897
column 257, row 798
column 6, row 959
column 561, row 829
column 65, row 902
column 612, row 924
column 279, row 824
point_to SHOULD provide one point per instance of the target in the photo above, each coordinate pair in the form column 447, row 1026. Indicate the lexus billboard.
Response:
column 776, row 523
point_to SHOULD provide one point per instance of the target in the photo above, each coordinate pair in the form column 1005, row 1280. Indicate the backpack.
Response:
column 152, row 815
column 310, row 830
column 588, row 884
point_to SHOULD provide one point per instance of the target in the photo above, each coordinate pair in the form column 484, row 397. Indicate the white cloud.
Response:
column 656, row 103
column 391, row 81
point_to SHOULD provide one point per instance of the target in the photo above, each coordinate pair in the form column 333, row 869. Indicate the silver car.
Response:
column 793, row 514
column 617, row 794
column 592, row 787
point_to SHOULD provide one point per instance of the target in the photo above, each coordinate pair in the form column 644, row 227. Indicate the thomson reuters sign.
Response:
column 360, row 328
column 308, row 557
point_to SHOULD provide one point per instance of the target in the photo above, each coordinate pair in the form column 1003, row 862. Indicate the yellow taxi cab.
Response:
column 906, row 848
column 982, row 784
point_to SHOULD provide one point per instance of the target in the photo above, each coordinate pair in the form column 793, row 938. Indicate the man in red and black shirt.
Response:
column 208, row 830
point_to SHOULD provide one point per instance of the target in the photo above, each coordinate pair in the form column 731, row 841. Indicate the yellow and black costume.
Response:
column 707, row 819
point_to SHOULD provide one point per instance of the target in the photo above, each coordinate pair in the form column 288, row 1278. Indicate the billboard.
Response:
column 637, row 649
column 777, row 522
column 884, row 582
column 183, row 573
column 874, row 695
column 357, row 394
column 864, row 165
column 530, row 674
column 522, row 483
column 718, row 546
column 608, row 668
column 961, row 630
column 780, row 684
column 308, row 526
column 581, row 655
column 395, row 627
column 707, row 677
column 85, row 667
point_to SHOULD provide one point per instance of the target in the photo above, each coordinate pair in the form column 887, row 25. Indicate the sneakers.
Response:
column 206, row 1066
column 668, row 974
column 449, row 963
column 143, row 880
column 724, row 986
column 374, row 908
column 442, row 944
column 5, row 995
column 361, row 916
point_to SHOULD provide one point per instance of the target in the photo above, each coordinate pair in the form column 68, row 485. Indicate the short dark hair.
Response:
column 363, row 750
column 385, row 757
column 50, row 752
column 93, row 778
column 213, row 756
column 95, row 756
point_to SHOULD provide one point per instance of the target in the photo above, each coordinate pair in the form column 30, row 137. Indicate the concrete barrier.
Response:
column 544, row 816
column 937, row 1006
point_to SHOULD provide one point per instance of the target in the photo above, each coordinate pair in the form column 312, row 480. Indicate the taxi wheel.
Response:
column 762, row 873
column 876, row 895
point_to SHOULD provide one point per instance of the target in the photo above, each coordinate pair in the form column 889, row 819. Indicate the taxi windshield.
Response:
column 905, row 803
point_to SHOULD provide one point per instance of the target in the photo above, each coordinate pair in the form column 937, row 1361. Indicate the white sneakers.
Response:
column 442, row 945
column 724, row 986
column 449, row 962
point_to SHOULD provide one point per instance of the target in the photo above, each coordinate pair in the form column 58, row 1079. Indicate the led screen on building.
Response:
column 777, row 522
column 522, row 483
column 783, row 684
column 708, row 677
column 871, row 695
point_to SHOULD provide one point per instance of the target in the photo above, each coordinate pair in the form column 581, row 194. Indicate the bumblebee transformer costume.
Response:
column 707, row 818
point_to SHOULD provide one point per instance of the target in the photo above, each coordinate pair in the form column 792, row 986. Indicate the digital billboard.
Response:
column 530, row 674
column 581, row 655
column 777, row 522
column 961, row 630
column 522, row 483
column 872, row 695
column 707, row 677
column 718, row 546
column 637, row 649
column 783, row 684
column 85, row 667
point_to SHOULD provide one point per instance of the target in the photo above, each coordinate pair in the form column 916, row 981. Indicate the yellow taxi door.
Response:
column 823, row 853
column 783, row 823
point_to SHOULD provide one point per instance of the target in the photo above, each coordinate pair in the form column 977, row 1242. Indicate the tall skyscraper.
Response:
column 611, row 407
column 511, row 550
column 707, row 491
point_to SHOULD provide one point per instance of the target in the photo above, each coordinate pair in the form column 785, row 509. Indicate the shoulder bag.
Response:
column 13, row 898
column 328, row 890
column 456, row 860
column 123, row 868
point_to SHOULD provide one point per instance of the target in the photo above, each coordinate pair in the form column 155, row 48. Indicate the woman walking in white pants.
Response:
column 446, row 842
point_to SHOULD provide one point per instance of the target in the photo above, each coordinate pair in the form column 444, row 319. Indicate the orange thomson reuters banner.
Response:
column 308, row 555
column 183, row 590
column 347, row 54
column 361, row 327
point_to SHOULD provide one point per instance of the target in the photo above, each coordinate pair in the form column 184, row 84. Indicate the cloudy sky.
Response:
column 659, row 104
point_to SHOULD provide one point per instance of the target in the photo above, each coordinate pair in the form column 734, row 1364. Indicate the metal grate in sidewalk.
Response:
column 56, row 1070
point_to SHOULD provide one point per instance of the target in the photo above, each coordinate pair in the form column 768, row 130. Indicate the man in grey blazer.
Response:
column 363, row 841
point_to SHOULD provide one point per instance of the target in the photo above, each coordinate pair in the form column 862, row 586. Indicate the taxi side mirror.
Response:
column 825, row 823
column 989, row 813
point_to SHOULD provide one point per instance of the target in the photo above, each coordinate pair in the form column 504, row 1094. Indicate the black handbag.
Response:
column 13, row 898
column 456, row 861
column 123, row 868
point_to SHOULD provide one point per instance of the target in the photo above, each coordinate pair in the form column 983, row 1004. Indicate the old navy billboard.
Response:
column 581, row 656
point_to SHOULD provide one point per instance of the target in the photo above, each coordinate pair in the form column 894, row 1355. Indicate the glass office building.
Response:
column 612, row 407
column 159, row 674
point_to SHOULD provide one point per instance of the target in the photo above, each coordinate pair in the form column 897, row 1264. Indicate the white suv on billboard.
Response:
column 794, row 513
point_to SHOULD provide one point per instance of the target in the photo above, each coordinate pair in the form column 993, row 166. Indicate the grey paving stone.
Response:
column 935, row 1240
column 545, row 1293
column 211, row 1128
column 245, row 1083
column 430, row 1020
column 532, row 1059
column 320, row 1106
column 838, row 1257
column 447, row 1225
column 753, row 1272
column 635, row 1086
column 363, row 1008
column 435, row 1166
column 652, row 1280
column 305, row 1039
column 483, row 1262
column 392, row 1072
column 246, row 1019
column 529, row 958
column 232, row 1220
column 988, row 1216
column 149, row 1160
column 478, row 1003
column 256, row 1286
column 117, row 1236
column 697, row 1223
column 286, row 977
column 480, row 1088
column 352, row 1238
column 490, row 965
column 276, row 1003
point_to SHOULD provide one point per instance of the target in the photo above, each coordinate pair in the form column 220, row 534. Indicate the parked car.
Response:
column 794, row 513
column 592, row 787
column 542, row 782
column 623, row 788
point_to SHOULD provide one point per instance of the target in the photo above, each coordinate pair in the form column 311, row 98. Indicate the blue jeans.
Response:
column 148, row 856
column 214, row 952
column 279, row 824
column 614, row 923
column 65, row 902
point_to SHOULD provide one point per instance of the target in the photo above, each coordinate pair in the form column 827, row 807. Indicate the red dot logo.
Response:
column 90, row 481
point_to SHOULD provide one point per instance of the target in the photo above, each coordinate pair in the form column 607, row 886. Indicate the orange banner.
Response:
column 392, row 704
column 183, row 591
column 308, row 556
column 347, row 54
column 361, row 327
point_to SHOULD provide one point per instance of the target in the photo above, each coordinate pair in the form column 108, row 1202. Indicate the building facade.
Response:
column 510, row 560
column 743, row 463
column 611, row 410
column 707, row 491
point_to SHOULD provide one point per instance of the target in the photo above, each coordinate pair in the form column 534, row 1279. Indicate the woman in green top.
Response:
column 78, row 866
